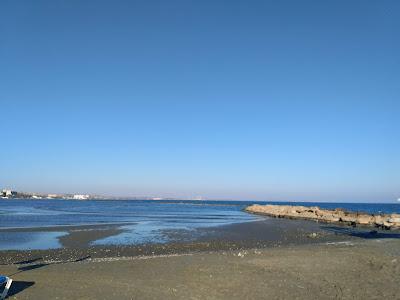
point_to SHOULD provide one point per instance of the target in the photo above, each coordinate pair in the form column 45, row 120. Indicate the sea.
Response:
column 142, row 221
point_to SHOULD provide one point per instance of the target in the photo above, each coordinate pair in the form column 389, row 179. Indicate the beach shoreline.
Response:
column 267, row 258
column 78, row 241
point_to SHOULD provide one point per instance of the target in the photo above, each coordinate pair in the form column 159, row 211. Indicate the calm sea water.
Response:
column 147, row 218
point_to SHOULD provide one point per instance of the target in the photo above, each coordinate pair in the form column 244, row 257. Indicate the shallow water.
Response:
column 30, row 240
column 142, row 221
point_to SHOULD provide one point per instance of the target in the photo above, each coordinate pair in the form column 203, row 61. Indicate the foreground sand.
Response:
column 366, row 269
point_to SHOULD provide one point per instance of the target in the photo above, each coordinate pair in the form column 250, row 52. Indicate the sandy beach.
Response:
column 366, row 269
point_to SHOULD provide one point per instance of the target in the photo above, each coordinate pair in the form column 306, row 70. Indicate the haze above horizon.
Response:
column 260, row 100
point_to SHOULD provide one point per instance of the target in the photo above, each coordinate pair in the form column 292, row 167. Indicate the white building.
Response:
column 80, row 197
column 6, row 193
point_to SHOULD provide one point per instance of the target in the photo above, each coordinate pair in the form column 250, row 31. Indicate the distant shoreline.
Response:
column 103, row 198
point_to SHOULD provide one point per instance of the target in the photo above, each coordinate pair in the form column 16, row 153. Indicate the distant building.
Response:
column 7, row 193
column 80, row 197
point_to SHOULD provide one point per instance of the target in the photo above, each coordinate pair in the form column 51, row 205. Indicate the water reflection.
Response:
column 30, row 240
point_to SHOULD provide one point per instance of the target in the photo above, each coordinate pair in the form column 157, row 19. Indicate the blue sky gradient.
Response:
column 283, row 100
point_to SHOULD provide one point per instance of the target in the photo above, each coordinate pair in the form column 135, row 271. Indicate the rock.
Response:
column 350, row 219
column 313, row 235
column 378, row 220
column 364, row 219
column 387, row 225
column 330, row 218
column 394, row 220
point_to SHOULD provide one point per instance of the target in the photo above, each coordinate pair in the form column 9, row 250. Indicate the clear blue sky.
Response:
column 283, row 100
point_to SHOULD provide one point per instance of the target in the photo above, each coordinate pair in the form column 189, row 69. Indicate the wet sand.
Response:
column 269, row 232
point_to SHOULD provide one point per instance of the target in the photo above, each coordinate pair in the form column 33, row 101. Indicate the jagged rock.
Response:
column 387, row 225
column 394, row 218
column 379, row 220
column 349, row 219
column 364, row 219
